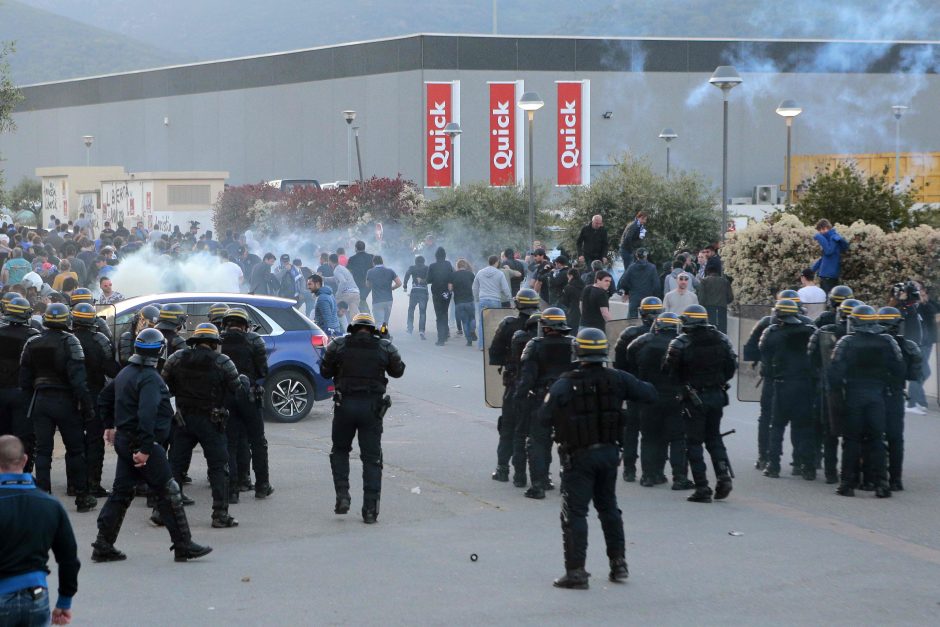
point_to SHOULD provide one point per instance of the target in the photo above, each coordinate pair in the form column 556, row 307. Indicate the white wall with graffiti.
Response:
column 55, row 198
column 129, row 202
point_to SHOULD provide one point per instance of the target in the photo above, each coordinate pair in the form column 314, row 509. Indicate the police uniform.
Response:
column 544, row 359
column 53, row 376
column 137, row 404
column 200, row 378
column 892, row 320
column 631, row 432
column 249, row 354
column 99, row 363
column 500, row 354
column 702, row 360
column 661, row 422
column 864, row 363
column 520, row 429
column 13, row 402
column 358, row 363
column 584, row 408
column 788, row 370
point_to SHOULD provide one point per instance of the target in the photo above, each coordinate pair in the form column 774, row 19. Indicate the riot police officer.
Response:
column 543, row 360
column 500, row 354
column 171, row 320
column 216, row 312
column 583, row 407
column 865, row 362
column 521, row 429
column 84, row 295
column 200, row 377
column 837, row 295
column 146, row 318
column 702, row 361
column 52, row 374
column 893, row 321
column 99, row 363
column 137, row 413
column 4, row 301
column 787, row 368
column 820, row 347
column 661, row 422
column 751, row 353
column 247, row 351
column 14, row 333
column 358, row 363
column 649, row 308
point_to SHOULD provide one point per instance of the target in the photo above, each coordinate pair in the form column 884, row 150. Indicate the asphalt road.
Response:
column 799, row 554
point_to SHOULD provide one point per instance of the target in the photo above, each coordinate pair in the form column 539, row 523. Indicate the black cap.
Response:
column 298, row 262
column 285, row 257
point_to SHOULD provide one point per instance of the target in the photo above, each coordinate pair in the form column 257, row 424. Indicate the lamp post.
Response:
column 88, row 140
column 898, row 112
column 725, row 78
column 453, row 130
column 667, row 135
column 530, row 103
column 788, row 110
column 358, row 154
column 349, row 116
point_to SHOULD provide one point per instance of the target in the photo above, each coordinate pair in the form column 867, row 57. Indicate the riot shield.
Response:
column 615, row 328
column 492, row 379
column 109, row 313
column 749, row 379
column 832, row 401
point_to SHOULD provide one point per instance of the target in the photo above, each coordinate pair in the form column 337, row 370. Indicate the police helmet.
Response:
column 172, row 317
column 555, row 318
column 845, row 308
column 17, row 309
column 217, row 311
column 590, row 346
column 150, row 343
column 839, row 293
column 533, row 320
column 236, row 315
column 788, row 295
column 361, row 320
column 84, row 314
column 864, row 319
column 694, row 316
column 891, row 319
column 150, row 313
column 666, row 321
column 56, row 317
column 7, row 298
column 81, row 295
column 527, row 300
column 650, row 307
column 787, row 311
column 205, row 332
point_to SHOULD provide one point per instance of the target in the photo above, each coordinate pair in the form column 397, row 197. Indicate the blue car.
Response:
column 295, row 344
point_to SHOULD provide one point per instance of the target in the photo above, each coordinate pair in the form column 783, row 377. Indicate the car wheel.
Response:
column 288, row 396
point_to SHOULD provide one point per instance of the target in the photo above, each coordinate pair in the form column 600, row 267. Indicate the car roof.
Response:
column 206, row 297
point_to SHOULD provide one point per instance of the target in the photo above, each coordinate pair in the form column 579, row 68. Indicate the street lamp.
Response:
column 725, row 78
column 788, row 110
column 452, row 130
column 898, row 112
column 530, row 103
column 349, row 116
column 667, row 135
column 358, row 154
column 88, row 141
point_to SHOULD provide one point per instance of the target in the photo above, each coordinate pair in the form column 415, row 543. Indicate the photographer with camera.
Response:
column 919, row 313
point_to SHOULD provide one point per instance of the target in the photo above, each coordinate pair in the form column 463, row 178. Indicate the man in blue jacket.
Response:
column 324, row 314
column 833, row 245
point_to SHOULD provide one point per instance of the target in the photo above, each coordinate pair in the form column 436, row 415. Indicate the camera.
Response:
column 905, row 293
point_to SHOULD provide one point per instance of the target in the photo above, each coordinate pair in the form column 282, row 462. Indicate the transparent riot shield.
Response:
column 935, row 366
column 749, row 379
column 615, row 328
column 831, row 400
column 492, row 379
column 109, row 314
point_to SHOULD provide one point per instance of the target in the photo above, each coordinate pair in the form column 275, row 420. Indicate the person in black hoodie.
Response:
column 570, row 300
column 358, row 265
column 440, row 274
column 418, row 297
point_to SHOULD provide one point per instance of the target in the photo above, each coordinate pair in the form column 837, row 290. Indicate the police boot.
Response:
column 156, row 518
column 519, row 479
column 97, row 490
column 535, row 492
column 660, row 479
column 809, row 472
column 618, row 569
column 186, row 479
column 832, row 477
column 573, row 579
column 547, row 484
column 772, row 470
column 103, row 546
column 370, row 511
column 647, row 481
column 896, row 485
column 189, row 550
column 221, row 518
column 171, row 508
column 85, row 503
column 501, row 474
column 233, row 496
column 245, row 484
column 263, row 490
column 629, row 474
column 702, row 494
column 883, row 490
column 682, row 483
column 723, row 486
column 846, row 489
column 343, row 501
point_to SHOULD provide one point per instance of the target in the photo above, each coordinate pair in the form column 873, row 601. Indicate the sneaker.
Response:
column 409, row 331
column 343, row 502
column 535, row 492
column 459, row 332
column 629, row 475
column 917, row 410
column 646, row 481
column 501, row 474
column 845, row 489
column 618, row 570
column 223, row 521
column 701, row 495
column 263, row 490
column 575, row 579
column 85, row 503
column 421, row 335
column 682, row 483
column 519, row 481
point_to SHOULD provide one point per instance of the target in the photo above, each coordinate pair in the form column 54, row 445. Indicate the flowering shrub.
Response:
column 768, row 257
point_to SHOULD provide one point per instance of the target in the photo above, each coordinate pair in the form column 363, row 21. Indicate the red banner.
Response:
column 504, row 140
column 441, row 108
column 573, row 160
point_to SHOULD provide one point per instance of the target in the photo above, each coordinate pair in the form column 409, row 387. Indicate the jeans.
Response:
column 485, row 303
column 417, row 298
column 21, row 609
column 465, row 313
column 382, row 312
column 915, row 389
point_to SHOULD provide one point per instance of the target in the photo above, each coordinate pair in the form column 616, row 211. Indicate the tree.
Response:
column 845, row 195
column 477, row 220
column 25, row 201
column 683, row 213
column 10, row 96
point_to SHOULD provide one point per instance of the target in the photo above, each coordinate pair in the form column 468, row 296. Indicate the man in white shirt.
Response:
column 232, row 274
column 681, row 297
column 812, row 297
